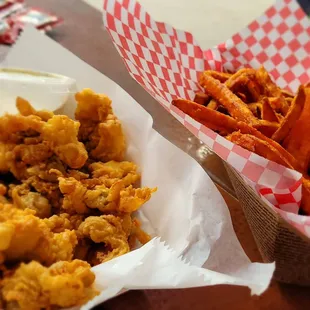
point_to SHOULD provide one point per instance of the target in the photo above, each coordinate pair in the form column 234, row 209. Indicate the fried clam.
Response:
column 80, row 198
column 108, row 230
column 34, row 286
column 101, row 131
column 25, row 237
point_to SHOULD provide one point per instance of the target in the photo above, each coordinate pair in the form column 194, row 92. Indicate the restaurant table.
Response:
column 82, row 33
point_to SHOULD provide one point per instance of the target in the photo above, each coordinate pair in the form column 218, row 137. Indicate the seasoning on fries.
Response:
column 250, row 110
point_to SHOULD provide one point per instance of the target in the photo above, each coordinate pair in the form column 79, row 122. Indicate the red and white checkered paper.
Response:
column 168, row 62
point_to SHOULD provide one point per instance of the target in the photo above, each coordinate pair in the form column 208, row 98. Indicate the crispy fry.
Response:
column 244, row 78
column 221, row 76
column 256, row 108
column 235, row 106
column 260, row 147
column 266, row 127
column 271, row 89
column 25, row 109
column 226, row 125
column 268, row 113
column 291, row 117
column 213, row 105
column 242, row 96
column 287, row 94
column 289, row 101
column 206, row 116
column 202, row 98
column 298, row 143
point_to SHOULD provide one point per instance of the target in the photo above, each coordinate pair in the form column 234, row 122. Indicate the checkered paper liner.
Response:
column 167, row 63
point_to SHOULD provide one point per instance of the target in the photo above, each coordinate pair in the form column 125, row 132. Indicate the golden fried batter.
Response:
column 106, row 229
column 79, row 199
column 65, row 193
column 113, row 171
column 61, row 133
column 23, row 198
column 131, row 199
column 25, row 109
column 92, row 106
column 35, row 287
column 14, row 128
column 31, row 154
column 111, row 143
column 59, row 223
column 23, row 236
column 100, row 129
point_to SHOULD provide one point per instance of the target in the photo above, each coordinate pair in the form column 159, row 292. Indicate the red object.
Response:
column 16, row 17
column 37, row 17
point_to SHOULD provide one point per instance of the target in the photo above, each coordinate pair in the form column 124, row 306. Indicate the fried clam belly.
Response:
column 91, row 109
column 14, row 128
column 26, row 109
column 43, row 178
column 23, row 236
column 108, row 140
column 61, row 134
column 112, row 171
column 63, row 284
column 78, row 198
column 31, row 154
column 6, row 156
column 106, row 229
column 92, row 106
column 100, row 129
column 23, row 198
column 3, row 192
column 64, row 221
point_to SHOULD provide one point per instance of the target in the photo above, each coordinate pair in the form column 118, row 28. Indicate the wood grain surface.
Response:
column 82, row 33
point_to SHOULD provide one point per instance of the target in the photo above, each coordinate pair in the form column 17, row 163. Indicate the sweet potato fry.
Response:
column 270, row 89
column 298, row 143
column 212, row 105
column 235, row 106
column 268, row 113
column 226, row 125
column 267, row 128
column 256, row 108
column 291, row 117
column 202, row 98
column 260, row 147
column 212, row 119
column 25, row 108
column 305, row 200
column 289, row 101
column 221, row 76
column 242, row 96
column 287, row 94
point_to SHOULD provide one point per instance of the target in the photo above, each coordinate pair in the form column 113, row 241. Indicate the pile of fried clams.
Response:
column 66, row 202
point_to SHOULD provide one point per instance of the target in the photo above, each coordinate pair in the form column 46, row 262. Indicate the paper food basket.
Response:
column 167, row 63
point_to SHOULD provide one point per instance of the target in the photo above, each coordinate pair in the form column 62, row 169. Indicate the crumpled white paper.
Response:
column 187, row 214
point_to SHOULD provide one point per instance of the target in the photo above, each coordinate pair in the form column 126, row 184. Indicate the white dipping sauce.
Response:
column 43, row 90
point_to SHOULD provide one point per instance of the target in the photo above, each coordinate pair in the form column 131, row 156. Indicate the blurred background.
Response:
column 211, row 21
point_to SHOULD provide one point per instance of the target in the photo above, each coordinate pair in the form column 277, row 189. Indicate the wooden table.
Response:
column 82, row 33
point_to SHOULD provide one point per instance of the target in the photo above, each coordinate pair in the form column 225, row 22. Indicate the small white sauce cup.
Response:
column 43, row 90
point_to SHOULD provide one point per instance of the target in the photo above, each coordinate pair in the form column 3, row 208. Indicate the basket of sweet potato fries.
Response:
column 248, row 109
column 249, row 117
